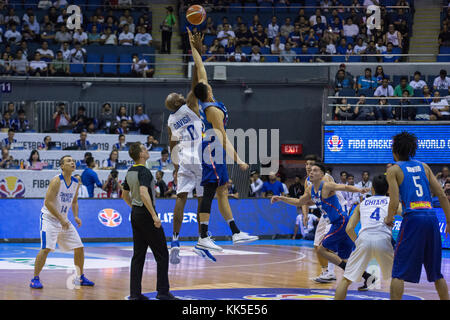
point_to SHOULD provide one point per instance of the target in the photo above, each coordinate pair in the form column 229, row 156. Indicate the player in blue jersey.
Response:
column 419, row 241
column 215, row 148
column 336, row 245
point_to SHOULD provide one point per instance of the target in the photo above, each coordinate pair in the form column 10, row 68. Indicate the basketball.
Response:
column 196, row 14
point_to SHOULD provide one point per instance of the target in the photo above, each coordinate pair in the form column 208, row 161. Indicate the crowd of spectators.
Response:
column 38, row 42
column 304, row 36
column 380, row 97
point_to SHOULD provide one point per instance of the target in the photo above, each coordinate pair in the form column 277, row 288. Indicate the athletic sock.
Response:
column 233, row 226
column 324, row 270
column 366, row 275
column 175, row 236
column 203, row 230
column 342, row 265
column 330, row 267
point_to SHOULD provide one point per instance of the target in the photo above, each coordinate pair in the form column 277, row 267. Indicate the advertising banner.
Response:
column 371, row 144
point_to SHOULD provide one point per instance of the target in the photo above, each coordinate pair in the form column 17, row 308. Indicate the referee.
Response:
column 138, row 193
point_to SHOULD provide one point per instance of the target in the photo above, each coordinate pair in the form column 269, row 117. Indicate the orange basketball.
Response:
column 196, row 14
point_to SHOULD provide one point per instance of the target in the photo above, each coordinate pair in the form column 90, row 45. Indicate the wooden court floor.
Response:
column 246, row 266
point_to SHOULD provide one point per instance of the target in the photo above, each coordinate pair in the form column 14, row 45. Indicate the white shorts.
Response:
column 52, row 234
column 322, row 229
column 370, row 246
column 189, row 178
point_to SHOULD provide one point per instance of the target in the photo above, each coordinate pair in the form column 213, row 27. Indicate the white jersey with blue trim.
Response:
column 64, row 199
column 186, row 127
column 372, row 212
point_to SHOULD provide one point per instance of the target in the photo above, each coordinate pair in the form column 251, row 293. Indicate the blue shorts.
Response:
column 213, row 172
column 337, row 240
column 419, row 242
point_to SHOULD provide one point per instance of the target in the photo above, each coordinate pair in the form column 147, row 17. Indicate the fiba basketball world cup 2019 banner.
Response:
column 371, row 144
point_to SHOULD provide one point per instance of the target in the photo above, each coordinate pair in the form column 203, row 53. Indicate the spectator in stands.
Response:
column 308, row 232
column 370, row 50
column 60, row 4
column 78, row 54
column 343, row 110
column 11, row 108
column 112, row 185
column 440, row 109
column 12, row 17
column 123, row 128
column 28, row 35
column 7, row 160
column 6, row 64
column 165, row 161
column 44, row 4
column 442, row 82
column 296, row 189
column 94, row 38
column 12, row 35
column 312, row 39
column 260, row 37
column 295, row 38
column 221, row 26
column 224, row 35
column 288, row 55
column 82, row 190
column 256, row 55
column 8, row 141
column 108, row 38
column 151, row 142
column 142, row 121
column 320, row 27
column 417, row 82
column 393, row 36
column 237, row 55
column 83, row 143
column 232, row 192
column 404, row 112
column 423, row 112
column 107, row 119
column 385, row 89
column 126, row 37
column 65, row 49
column 143, row 38
column 80, row 36
column 33, row 24
column 342, row 46
column 21, row 124
column 381, row 48
column 167, row 26
column 367, row 81
column 46, row 144
column 6, row 122
column 403, row 85
column 20, row 64
column 38, row 67
column 383, row 112
column 210, row 29
column 286, row 28
column 82, row 164
column 350, row 29
column 443, row 176
column 365, row 183
column 237, row 24
column 140, row 68
column 276, row 47
column 388, row 55
column 349, row 51
column 34, row 161
column 122, row 115
column 243, row 36
column 272, row 185
column 112, row 161
column 63, row 35
column 90, row 178
column 46, row 53
column 313, row 18
column 172, row 187
column 121, row 145
column 80, row 120
column 161, row 187
column 273, row 29
column 362, row 112
column 351, row 198
column 360, row 47
column 444, row 36
column 342, row 81
column 256, row 184
column 59, row 67
column 379, row 74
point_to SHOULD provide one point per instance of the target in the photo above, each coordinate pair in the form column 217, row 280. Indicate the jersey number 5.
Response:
column 376, row 214
column 419, row 192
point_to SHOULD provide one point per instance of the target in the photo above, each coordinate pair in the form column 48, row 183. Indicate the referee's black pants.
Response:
column 145, row 235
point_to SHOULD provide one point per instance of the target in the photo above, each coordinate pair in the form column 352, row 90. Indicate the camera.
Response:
column 114, row 174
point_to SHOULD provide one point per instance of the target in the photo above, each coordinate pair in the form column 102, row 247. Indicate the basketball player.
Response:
column 185, row 140
column 61, row 195
column 214, row 116
column 374, row 240
column 419, row 240
column 323, row 194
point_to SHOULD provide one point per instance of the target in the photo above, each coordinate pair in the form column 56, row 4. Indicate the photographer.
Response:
column 7, row 160
column 61, row 117
column 112, row 186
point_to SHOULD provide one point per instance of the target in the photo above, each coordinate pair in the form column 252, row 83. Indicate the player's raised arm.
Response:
column 194, row 42
column 332, row 186
column 439, row 192
column 394, row 197
column 50, row 201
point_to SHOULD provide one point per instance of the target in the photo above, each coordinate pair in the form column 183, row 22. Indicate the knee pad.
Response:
column 209, row 192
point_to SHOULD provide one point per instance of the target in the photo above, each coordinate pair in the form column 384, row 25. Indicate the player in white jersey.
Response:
column 327, row 275
column 62, row 194
column 185, row 143
column 374, row 240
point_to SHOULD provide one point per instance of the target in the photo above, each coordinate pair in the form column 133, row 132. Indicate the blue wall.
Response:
column 19, row 218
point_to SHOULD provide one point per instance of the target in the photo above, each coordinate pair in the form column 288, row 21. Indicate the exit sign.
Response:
column 295, row 149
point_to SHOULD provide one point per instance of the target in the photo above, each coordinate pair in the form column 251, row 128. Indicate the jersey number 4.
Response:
column 376, row 214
